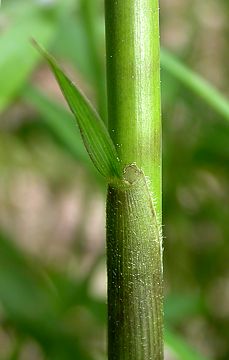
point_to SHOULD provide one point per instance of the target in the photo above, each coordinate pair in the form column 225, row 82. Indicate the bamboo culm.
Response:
column 134, row 242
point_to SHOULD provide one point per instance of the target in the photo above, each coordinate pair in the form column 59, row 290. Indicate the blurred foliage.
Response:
column 52, row 296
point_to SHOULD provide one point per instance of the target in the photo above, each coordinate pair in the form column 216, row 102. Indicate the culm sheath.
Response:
column 134, row 270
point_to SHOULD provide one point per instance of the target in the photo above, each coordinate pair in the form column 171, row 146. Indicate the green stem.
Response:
column 133, row 249
column 133, row 72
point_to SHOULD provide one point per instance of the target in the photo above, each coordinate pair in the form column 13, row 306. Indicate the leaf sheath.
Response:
column 134, row 271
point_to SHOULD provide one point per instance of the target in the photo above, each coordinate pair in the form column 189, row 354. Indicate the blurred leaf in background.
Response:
column 19, row 22
column 52, row 267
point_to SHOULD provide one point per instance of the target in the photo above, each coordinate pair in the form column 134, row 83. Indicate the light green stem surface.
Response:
column 133, row 77
column 135, row 320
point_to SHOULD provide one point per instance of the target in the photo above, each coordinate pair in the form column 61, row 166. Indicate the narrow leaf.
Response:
column 94, row 133
column 17, row 60
column 197, row 84
column 59, row 121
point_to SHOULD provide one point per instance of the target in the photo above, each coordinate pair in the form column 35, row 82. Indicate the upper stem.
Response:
column 133, row 79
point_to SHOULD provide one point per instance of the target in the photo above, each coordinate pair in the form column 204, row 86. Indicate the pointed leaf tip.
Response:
column 94, row 133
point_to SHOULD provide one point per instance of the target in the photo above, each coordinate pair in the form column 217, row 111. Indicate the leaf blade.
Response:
column 196, row 83
column 15, row 49
column 59, row 121
column 93, row 131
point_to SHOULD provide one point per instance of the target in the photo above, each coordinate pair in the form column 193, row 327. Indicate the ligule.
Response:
column 134, row 270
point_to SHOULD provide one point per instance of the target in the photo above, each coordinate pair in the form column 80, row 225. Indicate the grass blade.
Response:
column 94, row 133
column 197, row 84
column 17, row 60
column 59, row 121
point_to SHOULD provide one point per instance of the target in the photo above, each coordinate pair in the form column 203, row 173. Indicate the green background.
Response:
column 52, row 212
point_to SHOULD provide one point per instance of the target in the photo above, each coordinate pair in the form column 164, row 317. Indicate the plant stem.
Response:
column 133, row 72
column 135, row 320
